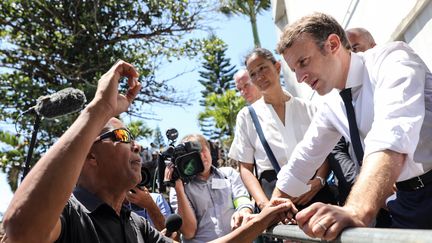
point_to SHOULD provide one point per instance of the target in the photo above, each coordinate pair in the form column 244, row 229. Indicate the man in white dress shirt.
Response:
column 392, row 96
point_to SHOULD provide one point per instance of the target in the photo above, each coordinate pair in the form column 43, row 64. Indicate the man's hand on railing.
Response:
column 327, row 221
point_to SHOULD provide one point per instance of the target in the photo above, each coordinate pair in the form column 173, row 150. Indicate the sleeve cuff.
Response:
column 292, row 186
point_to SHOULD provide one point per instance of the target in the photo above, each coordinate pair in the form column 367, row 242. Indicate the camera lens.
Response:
column 190, row 164
column 189, row 168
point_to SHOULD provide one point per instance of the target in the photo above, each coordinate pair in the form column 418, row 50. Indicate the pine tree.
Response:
column 217, row 78
column 159, row 139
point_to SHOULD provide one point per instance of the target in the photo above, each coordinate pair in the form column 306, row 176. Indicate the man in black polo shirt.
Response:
column 99, row 161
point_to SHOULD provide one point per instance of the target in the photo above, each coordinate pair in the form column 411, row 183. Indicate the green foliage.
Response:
column 12, row 150
column 139, row 130
column 217, row 78
column 249, row 8
column 46, row 46
column 159, row 139
column 223, row 108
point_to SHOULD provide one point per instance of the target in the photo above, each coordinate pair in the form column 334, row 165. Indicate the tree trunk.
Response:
column 257, row 42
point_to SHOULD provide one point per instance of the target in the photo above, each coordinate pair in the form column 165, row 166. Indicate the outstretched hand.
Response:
column 278, row 210
column 240, row 218
column 107, row 90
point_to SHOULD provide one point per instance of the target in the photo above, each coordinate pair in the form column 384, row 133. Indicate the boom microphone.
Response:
column 63, row 102
column 172, row 224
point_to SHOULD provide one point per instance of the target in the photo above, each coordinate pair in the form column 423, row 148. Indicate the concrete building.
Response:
column 386, row 20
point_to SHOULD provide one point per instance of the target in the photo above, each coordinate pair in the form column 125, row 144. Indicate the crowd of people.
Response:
column 362, row 158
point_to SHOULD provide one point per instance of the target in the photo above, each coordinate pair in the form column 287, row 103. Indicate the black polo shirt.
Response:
column 86, row 218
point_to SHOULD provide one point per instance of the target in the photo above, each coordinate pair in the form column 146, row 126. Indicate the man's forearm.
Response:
column 379, row 172
column 156, row 216
column 277, row 193
column 323, row 170
column 245, row 233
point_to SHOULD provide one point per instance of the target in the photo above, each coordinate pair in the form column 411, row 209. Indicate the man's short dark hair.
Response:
column 318, row 25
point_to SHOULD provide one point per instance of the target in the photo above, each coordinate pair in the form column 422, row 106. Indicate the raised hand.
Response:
column 107, row 90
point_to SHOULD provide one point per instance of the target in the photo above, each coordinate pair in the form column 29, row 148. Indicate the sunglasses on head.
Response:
column 117, row 135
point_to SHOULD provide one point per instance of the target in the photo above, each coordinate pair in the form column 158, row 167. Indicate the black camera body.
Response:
column 185, row 158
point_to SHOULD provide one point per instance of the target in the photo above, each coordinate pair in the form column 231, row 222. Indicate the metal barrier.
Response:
column 357, row 235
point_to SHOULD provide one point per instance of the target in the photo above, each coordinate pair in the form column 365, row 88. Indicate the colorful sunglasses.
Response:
column 117, row 135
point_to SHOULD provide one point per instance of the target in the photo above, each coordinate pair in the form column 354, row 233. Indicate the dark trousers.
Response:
column 412, row 209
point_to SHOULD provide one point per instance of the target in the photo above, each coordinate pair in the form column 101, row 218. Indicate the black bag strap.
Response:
column 255, row 169
column 263, row 140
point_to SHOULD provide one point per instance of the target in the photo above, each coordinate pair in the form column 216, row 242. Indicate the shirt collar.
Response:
column 355, row 73
column 90, row 201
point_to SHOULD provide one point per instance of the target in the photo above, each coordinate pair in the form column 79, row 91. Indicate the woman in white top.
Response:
column 284, row 120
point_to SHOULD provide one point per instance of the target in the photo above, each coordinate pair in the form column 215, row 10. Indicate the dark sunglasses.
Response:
column 117, row 135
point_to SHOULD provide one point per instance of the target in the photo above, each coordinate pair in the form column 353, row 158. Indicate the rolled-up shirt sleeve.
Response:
column 309, row 154
column 399, row 103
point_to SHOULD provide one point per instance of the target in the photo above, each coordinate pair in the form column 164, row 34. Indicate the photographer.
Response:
column 203, row 204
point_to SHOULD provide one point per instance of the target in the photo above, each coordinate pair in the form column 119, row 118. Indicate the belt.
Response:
column 415, row 183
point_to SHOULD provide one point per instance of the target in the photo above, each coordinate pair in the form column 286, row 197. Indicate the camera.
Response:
column 185, row 158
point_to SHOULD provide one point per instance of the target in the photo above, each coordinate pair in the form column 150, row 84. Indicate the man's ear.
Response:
column 91, row 158
column 334, row 43
column 278, row 66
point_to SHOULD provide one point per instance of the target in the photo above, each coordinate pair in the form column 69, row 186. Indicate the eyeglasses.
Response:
column 117, row 135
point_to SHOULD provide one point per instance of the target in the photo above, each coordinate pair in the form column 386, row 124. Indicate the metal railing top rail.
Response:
column 357, row 235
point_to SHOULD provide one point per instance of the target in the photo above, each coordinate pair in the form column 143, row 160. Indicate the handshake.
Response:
column 277, row 210
column 252, row 225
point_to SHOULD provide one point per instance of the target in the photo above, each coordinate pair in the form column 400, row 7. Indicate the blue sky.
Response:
column 237, row 34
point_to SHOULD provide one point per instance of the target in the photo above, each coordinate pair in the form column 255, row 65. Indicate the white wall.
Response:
column 419, row 34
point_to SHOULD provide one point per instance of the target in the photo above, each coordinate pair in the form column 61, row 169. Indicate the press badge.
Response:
column 219, row 183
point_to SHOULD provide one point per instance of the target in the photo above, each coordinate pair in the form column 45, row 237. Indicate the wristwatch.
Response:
column 321, row 180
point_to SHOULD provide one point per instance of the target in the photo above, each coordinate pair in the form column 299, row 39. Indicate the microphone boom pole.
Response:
column 63, row 102
column 31, row 147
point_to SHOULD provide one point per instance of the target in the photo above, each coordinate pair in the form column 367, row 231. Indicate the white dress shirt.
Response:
column 281, row 138
column 392, row 98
